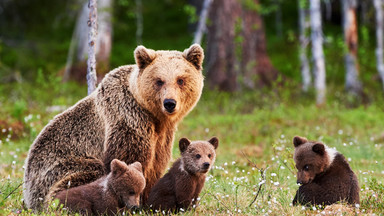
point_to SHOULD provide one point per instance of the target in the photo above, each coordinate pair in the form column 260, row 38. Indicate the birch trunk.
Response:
column 304, row 65
column 352, row 83
column 201, row 28
column 279, row 19
column 76, row 66
column 379, row 37
column 92, row 37
column 317, row 51
column 139, row 22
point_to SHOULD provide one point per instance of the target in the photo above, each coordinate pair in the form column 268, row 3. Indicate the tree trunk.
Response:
column 379, row 37
column 304, row 65
column 352, row 83
column 237, row 47
column 139, row 22
column 317, row 51
column 221, row 59
column 76, row 67
column 278, row 19
column 92, row 37
column 201, row 28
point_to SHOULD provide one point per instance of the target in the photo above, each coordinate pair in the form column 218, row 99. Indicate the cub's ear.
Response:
column 183, row 144
column 195, row 55
column 144, row 56
column 214, row 141
column 137, row 165
column 118, row 167
column 299, row 140
column 319, row 148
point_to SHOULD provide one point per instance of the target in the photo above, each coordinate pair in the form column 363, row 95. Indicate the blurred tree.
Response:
column 317, row 51
column 236, row 52
column 379, row 37
column 76, row 69
column 352, row 83
column 201, row 27
column 303, row 26
column 139, row 22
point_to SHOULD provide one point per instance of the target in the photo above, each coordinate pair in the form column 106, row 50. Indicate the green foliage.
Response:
column 191, row 12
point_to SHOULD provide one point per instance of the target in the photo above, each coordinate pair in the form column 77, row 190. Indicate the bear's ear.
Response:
column 144, row 56
column 137, row 165
column 183, row 144
column 195, row 55
column 299, row 140
column 117, row 167
column 214, row 141
column 319, row 148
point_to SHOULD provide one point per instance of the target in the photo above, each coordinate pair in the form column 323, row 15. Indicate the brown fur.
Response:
column 124, row 118
column 325, row 174
column 119, row 190
column 181, row 186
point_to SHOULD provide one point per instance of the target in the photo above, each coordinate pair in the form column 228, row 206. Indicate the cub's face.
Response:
column 310, row 159
column 169, row 83
column 198, row 156
column 128, row 182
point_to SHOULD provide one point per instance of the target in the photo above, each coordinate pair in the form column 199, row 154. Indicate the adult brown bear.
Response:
column 131, row 116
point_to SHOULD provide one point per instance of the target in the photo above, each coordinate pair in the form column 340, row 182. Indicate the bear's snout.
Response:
column 206, row 165
column 169, row 105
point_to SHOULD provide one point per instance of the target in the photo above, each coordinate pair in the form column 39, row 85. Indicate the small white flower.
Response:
column 225, row 164
column 349, row 159
column 273, row 174
column 233, row 162
column 314, row 208
column 276, row 183
column 357, row 205
column 206, row 130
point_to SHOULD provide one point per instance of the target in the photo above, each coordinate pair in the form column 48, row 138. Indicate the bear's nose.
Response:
column 169, row 105
column 206, row 165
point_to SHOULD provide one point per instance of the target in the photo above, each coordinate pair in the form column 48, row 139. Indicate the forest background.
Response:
column 274, row 69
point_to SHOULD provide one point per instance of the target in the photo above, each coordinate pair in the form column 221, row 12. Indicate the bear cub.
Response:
column 181, row 186
column 118, row 190
column 324, row 173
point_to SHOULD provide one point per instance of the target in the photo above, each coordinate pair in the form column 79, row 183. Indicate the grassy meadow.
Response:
column 254, row 172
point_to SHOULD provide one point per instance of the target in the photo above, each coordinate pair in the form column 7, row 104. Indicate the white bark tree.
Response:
column 352, row 83
column 317, row 51
column 304, row 64
column 201, row 27
column 379, row 37
column 78, row 51
column 139, row 22
column 92, row 37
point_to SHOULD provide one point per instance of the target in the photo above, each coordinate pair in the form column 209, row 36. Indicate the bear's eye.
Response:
column 209, row 155
column 159, row 83
column 131, row 193
column 306, row 168
column 198, row 156
column 180, row 82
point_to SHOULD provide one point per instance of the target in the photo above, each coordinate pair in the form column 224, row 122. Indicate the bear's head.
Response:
column 127, row 181
column 312, row 158
column 168, row 83
column 198, row 156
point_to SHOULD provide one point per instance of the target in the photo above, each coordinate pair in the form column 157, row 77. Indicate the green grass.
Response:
column 255, row 131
